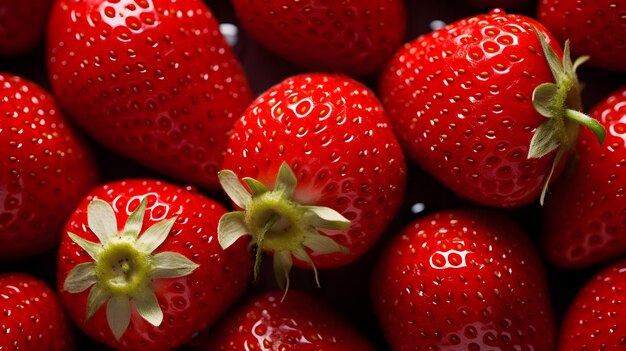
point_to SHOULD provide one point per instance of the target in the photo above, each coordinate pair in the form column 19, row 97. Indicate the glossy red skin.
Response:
column 595, row 28
column 22, row 25
column 426, row 304
column 299, row 323
column 472, row 133
column 596, row 318
column 356, row 37
column 32, row 316
column 345, row 158
column 190, row 304
column 585, row 221
column 163, row 94
column 45, row 169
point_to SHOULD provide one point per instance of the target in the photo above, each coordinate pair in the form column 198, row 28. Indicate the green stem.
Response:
column 260, row 242
column 588, row 122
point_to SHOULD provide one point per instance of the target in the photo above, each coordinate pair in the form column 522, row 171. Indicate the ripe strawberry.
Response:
column 596, row 318
column 22, row 25
column 352, row 36
column 299, row 322
column 32, row 316
column 153, row 80
column 474, row 105
column 45, row 169
column 585, row 220
column 595, row 28
column 467, row 280
column 322, row 143
column 160, row 289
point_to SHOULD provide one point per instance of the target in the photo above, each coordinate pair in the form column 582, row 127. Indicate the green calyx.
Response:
column 560, row 103
column 124, row 266
column 277, row 223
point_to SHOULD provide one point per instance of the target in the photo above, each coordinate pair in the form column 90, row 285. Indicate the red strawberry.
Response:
column 352, row 36
column 585, row 220
column 474, row 105
column 45, row 169
column 300, row 322
column 596, row 318
column 596, row 28
column 150, row 79
column 148, row 251
column 463, row 280
column 32, row 316
column 322, row 143
column 22, row 25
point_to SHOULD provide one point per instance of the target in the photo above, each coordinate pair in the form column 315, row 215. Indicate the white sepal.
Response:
column 101, row 220
column 132, row 228
column 81, row 278
column 234, row 189
column 118, row 315
column 155, row 235
column 230, row 228
column 171, row 265
column 148, row 306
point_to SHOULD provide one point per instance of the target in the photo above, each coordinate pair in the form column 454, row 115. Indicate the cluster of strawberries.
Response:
column 314, row 170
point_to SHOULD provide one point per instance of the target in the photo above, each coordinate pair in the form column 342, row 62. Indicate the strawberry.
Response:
column 45, row 169
column 299, row 322
column 147, row 250
column 585, row 221
column 487, row 106
column 352, row 36
column 32, row 316
column 153, row 80
column 596, row 318
column 595, row 28
column 465, row 279
column 322, row 144
column 22, row 25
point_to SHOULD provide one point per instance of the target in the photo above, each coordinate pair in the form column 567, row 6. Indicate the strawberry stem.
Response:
column 588, row 122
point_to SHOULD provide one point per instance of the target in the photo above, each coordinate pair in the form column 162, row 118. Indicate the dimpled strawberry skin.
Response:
column 459, row 100
column 595, row 27
column 596, row 318
column 31, row 316
column 333, row 133
column 300, row 322
column 153, row 80
column 585, row 220
column 352, row 36
column 190, row 304
column 45, row 169
column 463, row 280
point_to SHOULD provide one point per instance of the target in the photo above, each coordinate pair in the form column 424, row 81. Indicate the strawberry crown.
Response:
column 560, row 103
column 124, row 266
column 277, row 222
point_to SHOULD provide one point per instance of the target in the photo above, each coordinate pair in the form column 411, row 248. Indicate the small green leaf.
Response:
column 118, row 315
column 255, row 186
column 171, row 265
column 568, row 66
column 97, row 297
column 544, row 97
column 282, row 267
column 301, row 254
column 544, row 141
column 325, row 217
column 155, row 235
column 579, row 61
column 556, row 161
column 135, row 220
column 91, row 248
column 148, row 307
column 80, row 278
column 234, row 189
column 101, row 220
column 230, row 228
column 321, row 244
column 551, row 57
column 285, row 180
